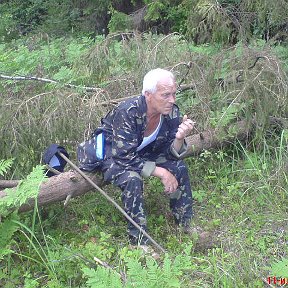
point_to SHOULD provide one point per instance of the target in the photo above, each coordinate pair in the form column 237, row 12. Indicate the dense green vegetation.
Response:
column 233, row 56
column 225, row 21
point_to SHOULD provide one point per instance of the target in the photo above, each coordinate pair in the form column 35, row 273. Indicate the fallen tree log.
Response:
column 57, row 188
column 8, row 183
column 217, row 138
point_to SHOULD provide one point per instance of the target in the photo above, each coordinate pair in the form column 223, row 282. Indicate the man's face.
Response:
column 163, row 99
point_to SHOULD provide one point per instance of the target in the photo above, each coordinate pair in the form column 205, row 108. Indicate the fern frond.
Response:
column 154, row 272
column 27, row 189
column 102, row 278
column 171, row 272
column 146, row 274
column 136, row 274
column 5, row 165
column 7, row 228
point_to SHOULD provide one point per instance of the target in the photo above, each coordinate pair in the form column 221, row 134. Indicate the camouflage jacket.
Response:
column 124, row 128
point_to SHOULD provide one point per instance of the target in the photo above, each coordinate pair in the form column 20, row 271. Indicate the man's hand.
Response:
column 168, row 179
column 185, row 128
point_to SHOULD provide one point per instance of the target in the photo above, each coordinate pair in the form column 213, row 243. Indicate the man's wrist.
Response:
column 177, row 144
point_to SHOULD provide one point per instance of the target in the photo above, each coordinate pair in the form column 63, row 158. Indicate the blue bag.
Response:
column 91, row 153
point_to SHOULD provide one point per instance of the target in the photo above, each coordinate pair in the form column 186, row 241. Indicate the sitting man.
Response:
column 144, row 137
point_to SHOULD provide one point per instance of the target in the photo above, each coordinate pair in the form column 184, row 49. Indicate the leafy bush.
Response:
column 119, row 22
column 8, row 30
column 202, row 21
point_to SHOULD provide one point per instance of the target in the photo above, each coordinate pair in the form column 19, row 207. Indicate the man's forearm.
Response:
column 177, row 144
column 158, row 172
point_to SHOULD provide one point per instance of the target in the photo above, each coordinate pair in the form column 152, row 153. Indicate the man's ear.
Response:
column 147, row 95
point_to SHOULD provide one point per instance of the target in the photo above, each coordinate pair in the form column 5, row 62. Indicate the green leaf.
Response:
column 280, row 268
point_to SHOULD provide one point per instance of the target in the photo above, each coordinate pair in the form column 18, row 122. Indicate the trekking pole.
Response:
column 111, row 200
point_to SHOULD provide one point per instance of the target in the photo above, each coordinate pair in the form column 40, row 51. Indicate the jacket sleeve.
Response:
column 125, row 142
column 181, row 152
column 173, row 124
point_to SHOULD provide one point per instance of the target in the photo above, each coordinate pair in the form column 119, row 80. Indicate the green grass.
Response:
column 237, row 200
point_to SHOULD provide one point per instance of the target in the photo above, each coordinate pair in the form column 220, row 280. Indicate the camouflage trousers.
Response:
column 131, row 185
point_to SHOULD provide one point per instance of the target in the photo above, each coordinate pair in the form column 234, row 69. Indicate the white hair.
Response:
column 152, row 78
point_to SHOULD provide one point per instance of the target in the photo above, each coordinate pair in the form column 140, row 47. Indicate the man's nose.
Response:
column 172, row 99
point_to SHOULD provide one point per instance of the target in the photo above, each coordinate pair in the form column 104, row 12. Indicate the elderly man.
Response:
column 144, row 137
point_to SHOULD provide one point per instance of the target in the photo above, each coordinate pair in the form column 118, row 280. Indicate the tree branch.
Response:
column 21, row 78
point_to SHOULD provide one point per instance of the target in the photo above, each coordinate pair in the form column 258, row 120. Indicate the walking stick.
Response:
column 111, row 200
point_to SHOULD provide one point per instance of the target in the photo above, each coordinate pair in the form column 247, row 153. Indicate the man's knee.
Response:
column 176, row 167
column 128, row 181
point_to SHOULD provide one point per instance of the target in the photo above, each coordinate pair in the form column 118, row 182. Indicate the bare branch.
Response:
column 46, row 80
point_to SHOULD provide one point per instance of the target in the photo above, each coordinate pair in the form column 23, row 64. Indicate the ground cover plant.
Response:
column 240, row 192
